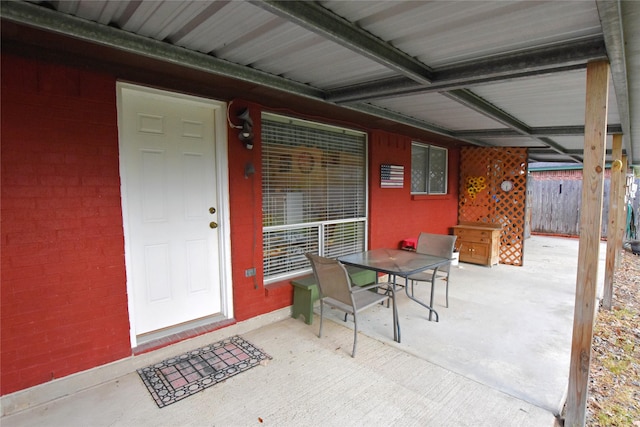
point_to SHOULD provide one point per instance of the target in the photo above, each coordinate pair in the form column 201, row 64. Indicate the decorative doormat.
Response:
column 182, row 376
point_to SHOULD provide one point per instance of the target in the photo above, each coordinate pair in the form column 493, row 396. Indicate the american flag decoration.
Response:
column 391, row 176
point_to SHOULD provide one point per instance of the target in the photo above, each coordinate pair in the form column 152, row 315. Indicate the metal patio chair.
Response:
column 440, row 245
column 336, row 291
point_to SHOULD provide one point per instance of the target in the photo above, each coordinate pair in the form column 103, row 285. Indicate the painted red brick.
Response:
column 435, row 214
column 63, row 285
column 62, row 241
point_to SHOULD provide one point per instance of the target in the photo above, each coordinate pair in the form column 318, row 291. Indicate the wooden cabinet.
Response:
column 478, row 243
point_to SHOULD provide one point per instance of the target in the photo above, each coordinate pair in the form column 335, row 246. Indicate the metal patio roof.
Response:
column 489, row 73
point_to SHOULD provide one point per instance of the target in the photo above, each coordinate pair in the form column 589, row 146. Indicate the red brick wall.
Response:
column 251, row 298
column 393, row 213
column 64, row 304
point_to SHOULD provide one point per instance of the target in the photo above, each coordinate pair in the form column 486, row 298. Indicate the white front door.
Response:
column 170, row 207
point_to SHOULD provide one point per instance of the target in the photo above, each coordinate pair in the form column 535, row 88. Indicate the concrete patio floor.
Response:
column 498, row 356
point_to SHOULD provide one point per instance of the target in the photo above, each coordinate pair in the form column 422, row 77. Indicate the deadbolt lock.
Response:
column 212, row 210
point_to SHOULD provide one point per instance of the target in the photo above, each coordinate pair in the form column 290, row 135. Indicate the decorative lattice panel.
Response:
column 493, row 184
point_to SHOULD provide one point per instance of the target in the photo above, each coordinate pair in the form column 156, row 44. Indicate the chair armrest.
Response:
column 384, row 285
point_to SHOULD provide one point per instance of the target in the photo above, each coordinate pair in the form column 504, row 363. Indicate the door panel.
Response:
column 168, row 156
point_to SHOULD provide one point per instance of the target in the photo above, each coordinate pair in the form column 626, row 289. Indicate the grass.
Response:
column 615, row 366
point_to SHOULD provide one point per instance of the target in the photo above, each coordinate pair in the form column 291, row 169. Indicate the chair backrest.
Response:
column 332, row 278
column 441, row 245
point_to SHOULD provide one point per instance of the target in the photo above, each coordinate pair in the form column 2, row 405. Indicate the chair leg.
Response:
column 447, row 291
column 396, row 322
column 433, row 285
column 321, row 316
column 355, row 334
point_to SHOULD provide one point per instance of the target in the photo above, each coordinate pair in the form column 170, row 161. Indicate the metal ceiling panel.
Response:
column 238, row 32
column 98, row 11
column 485, row 72
column 261, row 40
column 273, row 38
column 462, row 31
column 319, row 63
column 156, row 20
column 550, row 100
column 577, row 142
column 214, row 28
column 439, row 110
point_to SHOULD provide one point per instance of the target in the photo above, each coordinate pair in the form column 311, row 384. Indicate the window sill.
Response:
column 431, row 197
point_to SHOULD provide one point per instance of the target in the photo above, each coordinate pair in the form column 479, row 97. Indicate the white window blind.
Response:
column 314, row 193
column 428, row 169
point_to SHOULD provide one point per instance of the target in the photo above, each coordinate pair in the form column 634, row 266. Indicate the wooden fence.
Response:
column 555, row 204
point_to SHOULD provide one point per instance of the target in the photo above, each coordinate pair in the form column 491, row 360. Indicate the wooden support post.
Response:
column 590, row 225
column 622, row 211
column 613, row 247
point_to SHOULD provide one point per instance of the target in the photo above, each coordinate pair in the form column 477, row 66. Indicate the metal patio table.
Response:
column 395, row 262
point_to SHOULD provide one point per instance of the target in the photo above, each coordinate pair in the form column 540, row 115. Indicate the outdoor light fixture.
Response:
column 246, row 128
column 246, row 132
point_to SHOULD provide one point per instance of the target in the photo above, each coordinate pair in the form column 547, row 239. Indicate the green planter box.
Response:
column 305, row 291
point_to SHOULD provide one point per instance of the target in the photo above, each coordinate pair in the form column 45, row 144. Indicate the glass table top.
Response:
column 394, row 261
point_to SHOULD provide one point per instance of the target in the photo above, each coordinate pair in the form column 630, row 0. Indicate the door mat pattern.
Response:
column 182, row 376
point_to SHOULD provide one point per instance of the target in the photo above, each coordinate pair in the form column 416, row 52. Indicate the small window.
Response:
column 428, row 169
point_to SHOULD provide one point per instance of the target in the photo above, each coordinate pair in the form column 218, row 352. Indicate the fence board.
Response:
column 555, row 206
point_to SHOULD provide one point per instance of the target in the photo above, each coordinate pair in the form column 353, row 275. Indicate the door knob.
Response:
column 213, row 224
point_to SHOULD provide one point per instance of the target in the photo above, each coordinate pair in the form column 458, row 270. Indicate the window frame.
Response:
column 314, row 233
column 427, row 172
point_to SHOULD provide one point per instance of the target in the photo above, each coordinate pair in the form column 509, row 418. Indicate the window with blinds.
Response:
column 428, row 169
column 314, row 193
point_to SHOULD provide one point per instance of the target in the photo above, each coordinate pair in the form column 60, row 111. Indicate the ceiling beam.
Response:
column 611, row 20
column 561, row 150
column 529, row 63
column 484, row 107
column 313, row 17
column 404, row 119
column 612, row 129
column 40, row 17
column 549, row 155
